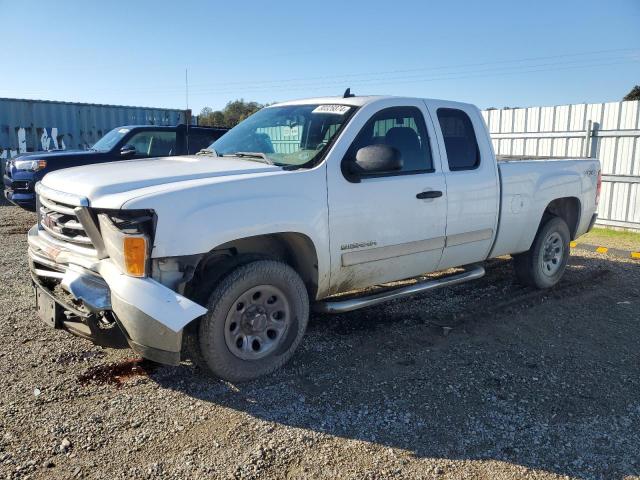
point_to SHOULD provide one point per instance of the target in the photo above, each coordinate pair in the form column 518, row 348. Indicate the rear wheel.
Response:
column 256, row 319
column 544, row 264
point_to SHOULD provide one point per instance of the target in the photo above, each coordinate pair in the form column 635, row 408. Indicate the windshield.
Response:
column 107, row 142
column 290, row 135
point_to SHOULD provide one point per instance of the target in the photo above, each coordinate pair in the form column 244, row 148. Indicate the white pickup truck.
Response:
column 223, row 254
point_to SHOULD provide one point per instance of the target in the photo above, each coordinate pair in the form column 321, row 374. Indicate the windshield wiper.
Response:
column 208, row 151
column 256, row 155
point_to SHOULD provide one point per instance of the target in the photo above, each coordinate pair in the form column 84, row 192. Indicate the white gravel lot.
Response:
column 519, row 384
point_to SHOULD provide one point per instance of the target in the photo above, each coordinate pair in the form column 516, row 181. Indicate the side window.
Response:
column 154, row 144
column 402, row 128
column 459, row 139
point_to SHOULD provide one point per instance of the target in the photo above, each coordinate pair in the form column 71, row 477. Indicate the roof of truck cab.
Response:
column 158, row 127
column 359, row 101
column 171, row 128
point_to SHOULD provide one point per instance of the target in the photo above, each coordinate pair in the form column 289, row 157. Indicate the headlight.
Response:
column 126, row 237
column 30, row 165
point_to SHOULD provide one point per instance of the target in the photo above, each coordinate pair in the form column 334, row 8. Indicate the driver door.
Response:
column 391, row 226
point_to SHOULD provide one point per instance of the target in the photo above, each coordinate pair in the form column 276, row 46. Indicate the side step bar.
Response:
column 340, row 306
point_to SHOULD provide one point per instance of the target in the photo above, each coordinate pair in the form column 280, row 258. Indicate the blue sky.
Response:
column 492, row 53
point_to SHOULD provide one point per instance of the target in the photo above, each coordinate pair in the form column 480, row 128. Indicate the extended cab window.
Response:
column 459, row 139
column 154, row 144
column 402, row 128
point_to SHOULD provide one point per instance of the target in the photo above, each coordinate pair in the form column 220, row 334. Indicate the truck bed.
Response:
column 522, row 198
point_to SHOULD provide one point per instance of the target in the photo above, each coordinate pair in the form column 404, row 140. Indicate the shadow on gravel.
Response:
column 546, row 380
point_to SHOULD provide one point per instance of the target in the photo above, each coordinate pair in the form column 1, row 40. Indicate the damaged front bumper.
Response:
column 93, row 299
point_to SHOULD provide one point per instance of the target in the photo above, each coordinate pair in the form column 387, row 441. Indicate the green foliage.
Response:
column 232, row 114
column 634, row 94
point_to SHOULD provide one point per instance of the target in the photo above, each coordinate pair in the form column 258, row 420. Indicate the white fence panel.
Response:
column 607, row 131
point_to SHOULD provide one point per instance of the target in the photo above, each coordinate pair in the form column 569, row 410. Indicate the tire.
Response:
column 545, row 262
column 256, row 318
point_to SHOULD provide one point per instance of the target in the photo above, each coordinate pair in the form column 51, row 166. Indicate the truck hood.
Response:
column 98, row 180
column 56, row 155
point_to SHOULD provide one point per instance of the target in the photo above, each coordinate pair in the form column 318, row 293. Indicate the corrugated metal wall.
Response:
column 284, row 139
column 32, row 125
column 287, row 139
column 607, row 131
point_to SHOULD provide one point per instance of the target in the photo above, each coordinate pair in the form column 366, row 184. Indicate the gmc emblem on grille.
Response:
column 46, row 221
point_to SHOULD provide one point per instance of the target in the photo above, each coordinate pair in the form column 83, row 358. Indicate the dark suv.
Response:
column 123, row 143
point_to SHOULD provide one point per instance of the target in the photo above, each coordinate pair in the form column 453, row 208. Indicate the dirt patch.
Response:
column 12, row 230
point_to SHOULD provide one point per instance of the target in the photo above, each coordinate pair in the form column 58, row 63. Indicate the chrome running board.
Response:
column 340, row 306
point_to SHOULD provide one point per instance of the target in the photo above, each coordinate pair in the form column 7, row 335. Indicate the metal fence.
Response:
column 607, row 131
column 33, row 125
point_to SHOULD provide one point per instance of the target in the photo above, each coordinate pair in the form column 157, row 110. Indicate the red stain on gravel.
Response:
column 117, row 373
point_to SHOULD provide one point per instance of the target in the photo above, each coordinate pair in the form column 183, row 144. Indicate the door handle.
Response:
column 429, row 194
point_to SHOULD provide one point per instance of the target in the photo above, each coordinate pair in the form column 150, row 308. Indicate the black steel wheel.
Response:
column 257, row 317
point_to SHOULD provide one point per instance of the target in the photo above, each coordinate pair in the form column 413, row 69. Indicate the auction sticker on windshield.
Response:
column 335, row 109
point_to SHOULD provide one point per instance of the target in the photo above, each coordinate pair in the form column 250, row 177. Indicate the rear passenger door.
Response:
column 473, row 191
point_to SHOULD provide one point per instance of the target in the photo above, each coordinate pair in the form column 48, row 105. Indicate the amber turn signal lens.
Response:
column 135, row 255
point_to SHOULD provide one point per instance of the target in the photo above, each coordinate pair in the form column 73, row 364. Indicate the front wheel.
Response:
column 256, row 319
column 544, row 264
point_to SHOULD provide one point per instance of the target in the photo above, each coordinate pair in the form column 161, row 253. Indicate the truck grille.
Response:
column 18, row 186
column 61, row 222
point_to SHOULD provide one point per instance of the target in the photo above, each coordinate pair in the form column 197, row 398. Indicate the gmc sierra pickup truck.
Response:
column 122, row 143
column 306, row 204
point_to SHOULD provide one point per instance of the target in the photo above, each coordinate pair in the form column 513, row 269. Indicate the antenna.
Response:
column 187, row 116
column 186, row 86
column 347, row 93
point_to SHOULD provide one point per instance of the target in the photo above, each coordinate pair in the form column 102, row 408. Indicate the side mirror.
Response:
column 127, row 151
column 376, row 159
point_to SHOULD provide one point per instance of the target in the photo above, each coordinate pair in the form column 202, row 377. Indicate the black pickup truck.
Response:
column 122, row 143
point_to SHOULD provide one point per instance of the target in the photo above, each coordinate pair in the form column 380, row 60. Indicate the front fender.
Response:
column 196, row 219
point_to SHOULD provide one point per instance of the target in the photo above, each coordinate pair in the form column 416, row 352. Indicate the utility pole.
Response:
column 186, row 85
column 187, row 112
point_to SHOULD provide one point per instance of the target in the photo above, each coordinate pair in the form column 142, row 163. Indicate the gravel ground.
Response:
column 482, row 380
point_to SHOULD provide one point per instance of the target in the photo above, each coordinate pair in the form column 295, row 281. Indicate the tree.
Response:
column 238, row 110
column 634, row 94
column 232, row 114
